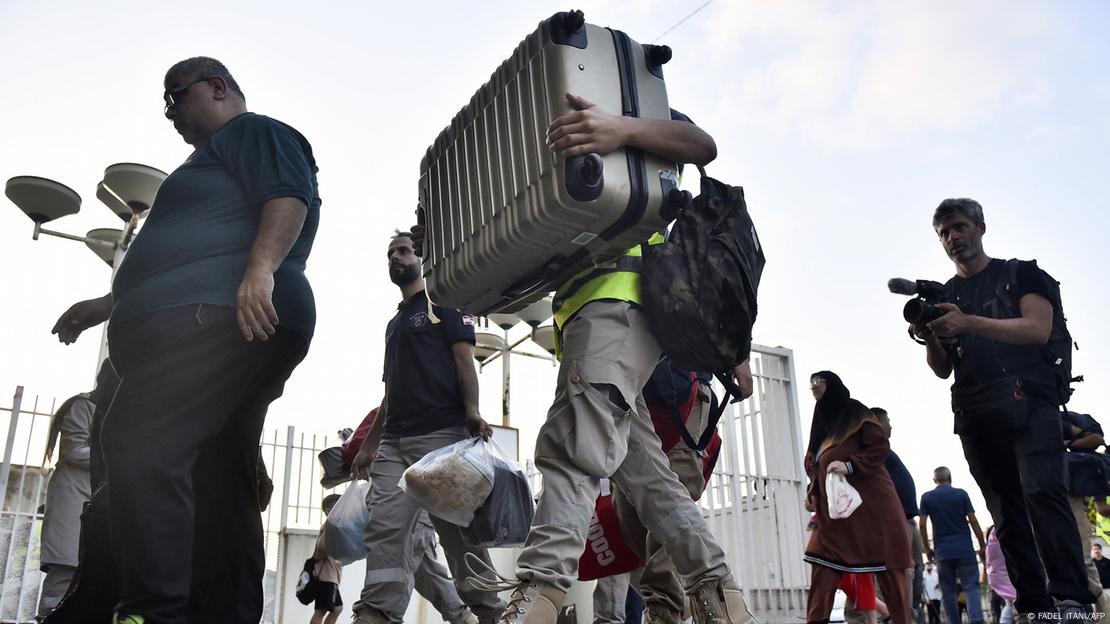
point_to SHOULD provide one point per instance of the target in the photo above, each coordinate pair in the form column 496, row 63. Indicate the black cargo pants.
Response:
column 1021, row 475
column 181, row 446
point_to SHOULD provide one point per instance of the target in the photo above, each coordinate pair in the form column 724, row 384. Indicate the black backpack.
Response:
column 1060, row 343
column 699, row 285
column 307, row 583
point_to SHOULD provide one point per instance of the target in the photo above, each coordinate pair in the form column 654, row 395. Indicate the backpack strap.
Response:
column 716, row 410
column 1003, row 290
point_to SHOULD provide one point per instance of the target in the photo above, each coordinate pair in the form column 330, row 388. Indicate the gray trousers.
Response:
column 914, row 584
column 599, row 426
column 54, row 586
column 430, row 578
column 610, row 595
column 392, row 528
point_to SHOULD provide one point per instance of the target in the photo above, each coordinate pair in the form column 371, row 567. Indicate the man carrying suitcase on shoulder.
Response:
column 598, row 424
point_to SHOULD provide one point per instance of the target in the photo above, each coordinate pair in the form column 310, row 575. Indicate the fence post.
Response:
column 9, row 446
column 279, row 580
column 734, row 439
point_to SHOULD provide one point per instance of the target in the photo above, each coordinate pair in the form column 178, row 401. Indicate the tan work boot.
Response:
column 530, row 602
column 533, row 603
column 366, row 615
column 719, row 601
column 660, row 614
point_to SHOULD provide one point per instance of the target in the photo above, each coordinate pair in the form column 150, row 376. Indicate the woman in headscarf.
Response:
column 847, row 439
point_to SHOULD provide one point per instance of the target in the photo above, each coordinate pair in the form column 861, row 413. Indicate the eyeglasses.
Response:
column 171, row 95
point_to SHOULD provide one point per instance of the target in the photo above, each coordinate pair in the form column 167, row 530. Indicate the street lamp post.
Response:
column 128, row 190
column 492, row 346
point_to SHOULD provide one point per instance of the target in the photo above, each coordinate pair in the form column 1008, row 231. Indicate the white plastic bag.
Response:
column 452, row 482
column 343, row 528
column 843, row 498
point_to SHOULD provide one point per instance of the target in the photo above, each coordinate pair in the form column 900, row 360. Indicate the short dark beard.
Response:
column 406, row 276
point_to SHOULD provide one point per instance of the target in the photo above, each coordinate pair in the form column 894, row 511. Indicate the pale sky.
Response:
column 845, row 122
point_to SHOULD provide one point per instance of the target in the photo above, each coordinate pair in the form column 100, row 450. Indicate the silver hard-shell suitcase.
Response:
column 507, row 220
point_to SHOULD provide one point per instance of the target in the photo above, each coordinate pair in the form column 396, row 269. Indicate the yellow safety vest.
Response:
column 618, row 280
column 1102, row 524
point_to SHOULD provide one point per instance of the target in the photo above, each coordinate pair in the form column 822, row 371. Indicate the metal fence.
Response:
column 753, row 502
column 290, row 457
column 23, row 489
column 754, row 499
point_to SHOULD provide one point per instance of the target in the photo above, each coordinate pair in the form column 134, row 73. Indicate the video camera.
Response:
column 926, row 295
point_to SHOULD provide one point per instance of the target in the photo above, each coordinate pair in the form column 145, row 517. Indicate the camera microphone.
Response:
column 902, row 286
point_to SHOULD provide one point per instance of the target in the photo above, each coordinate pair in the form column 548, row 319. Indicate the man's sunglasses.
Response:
column 170, row 96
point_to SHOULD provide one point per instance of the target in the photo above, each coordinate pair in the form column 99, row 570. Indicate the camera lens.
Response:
column 919, row 311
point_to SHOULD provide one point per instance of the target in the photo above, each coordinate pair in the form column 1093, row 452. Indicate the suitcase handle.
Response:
column 536, row 279
column 420, row 219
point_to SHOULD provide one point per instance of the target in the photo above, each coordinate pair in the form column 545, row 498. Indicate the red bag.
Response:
column 606, row 553
column 712, row 453
column 354, row 443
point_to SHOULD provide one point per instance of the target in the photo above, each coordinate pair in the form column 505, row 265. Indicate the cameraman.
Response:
column 993, row 336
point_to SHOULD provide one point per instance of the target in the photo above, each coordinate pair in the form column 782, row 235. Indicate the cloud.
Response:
column 863, row 75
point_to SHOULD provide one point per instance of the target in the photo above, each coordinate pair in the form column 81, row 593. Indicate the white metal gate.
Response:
column 22, row 491
column 754, row 500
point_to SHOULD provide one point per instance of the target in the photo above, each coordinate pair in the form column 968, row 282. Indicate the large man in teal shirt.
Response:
column 209, row 314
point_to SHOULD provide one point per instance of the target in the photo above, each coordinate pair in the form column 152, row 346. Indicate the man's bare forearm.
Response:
column 937, row 358
column 974, row 522
column 679, row 141
column 374, row 435
column 279, row 227
column 468, row 384
column 1017, row 331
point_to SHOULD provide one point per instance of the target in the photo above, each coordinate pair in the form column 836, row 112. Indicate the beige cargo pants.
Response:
column 599, row 426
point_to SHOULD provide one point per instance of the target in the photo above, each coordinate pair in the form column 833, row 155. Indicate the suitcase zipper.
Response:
column 630, row 106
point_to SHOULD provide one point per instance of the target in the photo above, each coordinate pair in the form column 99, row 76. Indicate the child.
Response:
column 328, row 572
